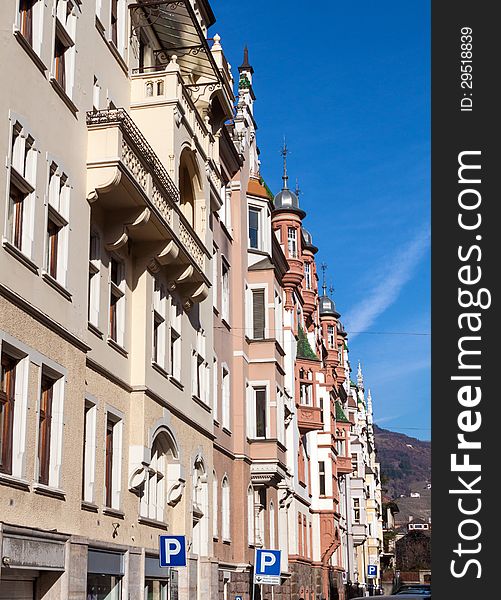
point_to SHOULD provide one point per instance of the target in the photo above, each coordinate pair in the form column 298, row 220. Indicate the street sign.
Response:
column 267, row 567
column 239, row 598
column 172, row 550
column 372, row 571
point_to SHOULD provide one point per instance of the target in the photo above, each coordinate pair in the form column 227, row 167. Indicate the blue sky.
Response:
column 348, row 83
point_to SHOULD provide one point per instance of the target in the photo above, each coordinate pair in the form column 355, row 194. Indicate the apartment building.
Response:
column 168, row 364
column 111, row 133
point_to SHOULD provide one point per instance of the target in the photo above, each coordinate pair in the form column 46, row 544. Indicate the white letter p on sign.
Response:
column 173, row 547
column 267, row 560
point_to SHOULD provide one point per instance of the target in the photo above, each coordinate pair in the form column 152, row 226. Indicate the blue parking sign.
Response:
column 267, row 562
column 371, row 570
column 172, row 550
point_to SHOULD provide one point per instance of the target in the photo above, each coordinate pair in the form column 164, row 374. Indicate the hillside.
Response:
column 404, row 461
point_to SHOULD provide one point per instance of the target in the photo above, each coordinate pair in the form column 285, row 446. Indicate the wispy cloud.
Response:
column 399, row 271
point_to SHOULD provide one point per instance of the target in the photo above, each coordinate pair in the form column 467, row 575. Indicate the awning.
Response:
column 179, row 33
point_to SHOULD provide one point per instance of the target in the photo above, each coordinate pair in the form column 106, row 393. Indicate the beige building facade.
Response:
column 156, row 301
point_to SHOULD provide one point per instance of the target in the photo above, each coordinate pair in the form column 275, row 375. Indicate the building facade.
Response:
column 168, row 365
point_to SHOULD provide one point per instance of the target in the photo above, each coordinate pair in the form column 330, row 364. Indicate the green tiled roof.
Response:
column 340, row 416
column 304, row 350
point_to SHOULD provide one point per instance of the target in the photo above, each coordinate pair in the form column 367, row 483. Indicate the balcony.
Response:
column 131, row 185
column 309, row 418
column 344, row 465
column 359, row 533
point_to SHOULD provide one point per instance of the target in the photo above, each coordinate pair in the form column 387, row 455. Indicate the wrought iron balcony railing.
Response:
column 119, row 116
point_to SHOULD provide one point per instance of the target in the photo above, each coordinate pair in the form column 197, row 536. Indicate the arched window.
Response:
column 225, row 509
column 272, row 525
column 215, row 492
column 154, row 497
column 250, row 516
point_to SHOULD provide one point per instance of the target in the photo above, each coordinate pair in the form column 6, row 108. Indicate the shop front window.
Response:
column 104, row 587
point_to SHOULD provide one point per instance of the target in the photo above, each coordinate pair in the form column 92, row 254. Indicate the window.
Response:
column 215, row 390
column 200, row 378
column 250, row 516
column 354, row 464
column 254, row 228
column 117, row 302
column 305, row 388
column 225, row 210
column 292, row 242
column 114, row 22
column 225, row 300
column 225, row 509
column 56, row 259
column 225, row 397
column 113, row 460
column 175, row 340
column 215, row 280
column 7, row 403
column 156, row 481
column 96, row 95
column 159, row 324
column 21, row 190
column 215, row 503
column 26, row 9
column 260, row 405
column 307, row 275
column 30, row 15
column 321, row 477
column 279, row 327
column 89, row 451
column 94, row 279
column 64, row 45
column 258, row 314
column 356, row 510
column 330, row 336
column 50, row 426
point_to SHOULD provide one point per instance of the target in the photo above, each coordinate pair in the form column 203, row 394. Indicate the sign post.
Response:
column 267, row 567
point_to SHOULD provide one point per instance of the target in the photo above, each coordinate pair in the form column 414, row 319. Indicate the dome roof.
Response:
column 308, row 241
column 307, row 237
column 327, row 307
column 286, row 199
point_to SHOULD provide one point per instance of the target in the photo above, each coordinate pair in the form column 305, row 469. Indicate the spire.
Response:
column 360, row 377
column 324, row 285
column 284, row 152
column 369, row 402
column 246, row 66
column 298, row 191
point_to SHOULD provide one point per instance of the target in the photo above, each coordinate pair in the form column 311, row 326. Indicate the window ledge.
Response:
column 159, row 369
column 201, row 403
column 89, row 506
column 113, row 512
column 93, row 329
column 227, row 229
column 30, row 51
column 227, row 431
column 63, row 95
column 119, row 58
column 47, row 490
column 116, row 346
column 176, row 382
column 153, row 523
column 56, row 285
column 21, row 257
column 226, row 541
column 15, row 482
column 226, row 324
